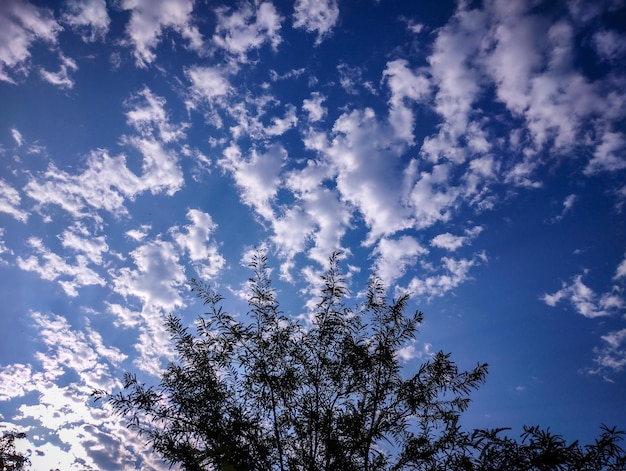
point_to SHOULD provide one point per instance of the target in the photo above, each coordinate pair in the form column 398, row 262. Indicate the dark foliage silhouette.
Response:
column 271, row 393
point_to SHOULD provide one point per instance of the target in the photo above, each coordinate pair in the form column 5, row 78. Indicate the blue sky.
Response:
column 472, row 153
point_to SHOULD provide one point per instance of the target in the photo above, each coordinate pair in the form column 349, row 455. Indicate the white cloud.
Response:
column 86, row 437
column 3, row 247
column 432, row 196
column 393, row 256
column 610, row 45
column 103, row 185
column 71, row 274
column 156, row 282
column 457, row 82
column 257, row 176
column 61, row 78
column 207, row 260
column 612, row 356
column 17, row 137
column 78, row 239
column 314, row 107
column 568, row 205
column 149, row 118
column 620, row 272
column 609, row 155
column 148, row 22
column 161, row 171
column 207, row 84
column 405, row 85
column 451, row 242
column 21, row 25
column 10, row 202
column 15, row 381
column 248, row 28
column 318, row 16
column 88, row 17
column 584, row 300
column 365, row 162
column 450, row 274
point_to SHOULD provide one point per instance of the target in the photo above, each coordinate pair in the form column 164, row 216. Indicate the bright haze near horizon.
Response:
column 471, row 153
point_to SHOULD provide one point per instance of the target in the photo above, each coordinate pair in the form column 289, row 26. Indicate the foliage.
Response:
column 271, row 393
column 10, row 458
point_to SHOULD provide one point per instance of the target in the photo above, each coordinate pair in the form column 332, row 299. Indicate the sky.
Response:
column 471, row 153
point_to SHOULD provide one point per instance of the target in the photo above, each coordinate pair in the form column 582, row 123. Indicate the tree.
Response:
column 272, row 393
column 10, row 458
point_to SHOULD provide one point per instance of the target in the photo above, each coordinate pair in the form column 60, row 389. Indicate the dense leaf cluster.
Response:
column 10, row 458
column 270, row 393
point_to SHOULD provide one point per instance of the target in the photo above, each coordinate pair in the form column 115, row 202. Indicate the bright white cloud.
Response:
column 363, row 158
column 584, row 300
column 611, row 357
column 457, row 82
column 194, row 240
column 149, row 21
column 17, row 137
column 10, row 202
column 21, row 25
column 316, row 16
column 149, row 117
column 104, row 184
column 451, row 242
column 444, row 278
column 609, row 155
column 71, row 274
column 15, row 381
column 394, row 256
column 156, row 281
column 88, row 17
column 314, row 107
column 83, row 432
column 208, row 85
column 247, row 28
column 257, row 176
column 405, row 85
column 61, row 78
column 80, row 240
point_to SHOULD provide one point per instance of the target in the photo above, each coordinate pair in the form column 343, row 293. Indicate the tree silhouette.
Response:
column 10, row 458
column 271, row 393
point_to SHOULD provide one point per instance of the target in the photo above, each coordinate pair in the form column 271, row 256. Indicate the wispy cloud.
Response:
column 148, row 22
column 584, row 300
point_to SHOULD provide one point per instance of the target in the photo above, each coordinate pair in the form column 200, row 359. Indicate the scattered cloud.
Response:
column 21, row 25
column 240, row 31
column 89, row 18
column 17, row 137
column 148, row 22
column 257, row 176
column 316, row 16
column 195, row 240
column 61, row 78
column 451, row 242
column 71, row 274
column 611, row 357
column 10, row 202
column 584, row 300
column 395, row 256
column 156, row 281
column 444, row 278
column 314, row 108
